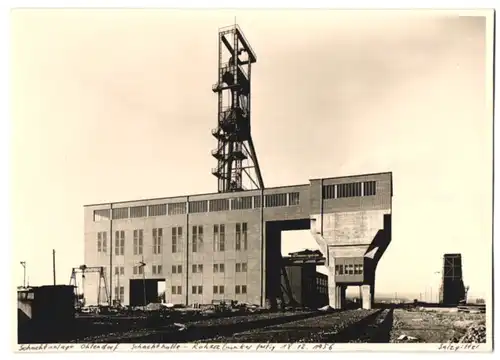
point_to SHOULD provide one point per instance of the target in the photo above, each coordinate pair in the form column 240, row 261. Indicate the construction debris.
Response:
column 404, row 337
column 180, row 327
column 326, row 308
column 475, row 334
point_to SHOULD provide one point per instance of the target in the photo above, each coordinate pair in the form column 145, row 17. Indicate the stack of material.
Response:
column 475, row 334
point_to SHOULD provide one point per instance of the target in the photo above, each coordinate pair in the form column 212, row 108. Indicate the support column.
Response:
column 336, row 292
column 343, row 289
column 366, row 296
column 332, row 288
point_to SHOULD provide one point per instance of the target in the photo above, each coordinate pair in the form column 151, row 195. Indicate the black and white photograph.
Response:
column 251, row 180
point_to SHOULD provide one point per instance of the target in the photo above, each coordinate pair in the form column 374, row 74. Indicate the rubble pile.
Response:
column 475, row 334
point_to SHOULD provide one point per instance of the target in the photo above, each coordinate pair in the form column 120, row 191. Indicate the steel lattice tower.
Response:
column 235, row 153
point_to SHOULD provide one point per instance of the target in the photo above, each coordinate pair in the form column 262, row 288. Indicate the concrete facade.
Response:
column 348, row 225
column 354, row 231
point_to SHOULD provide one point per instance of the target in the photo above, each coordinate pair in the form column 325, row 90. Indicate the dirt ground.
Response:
column 432, row 326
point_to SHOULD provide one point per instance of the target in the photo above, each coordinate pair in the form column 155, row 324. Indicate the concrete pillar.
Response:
column 332, row 289
column 366, row 296
column 332, row 284
column 337, row 296
column 343, row 289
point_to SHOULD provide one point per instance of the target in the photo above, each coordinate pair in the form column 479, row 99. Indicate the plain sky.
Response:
column 117, row 105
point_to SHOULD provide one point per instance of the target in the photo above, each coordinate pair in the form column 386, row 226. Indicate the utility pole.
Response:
column 142, row 266
column 23, row 263
column 54, row 265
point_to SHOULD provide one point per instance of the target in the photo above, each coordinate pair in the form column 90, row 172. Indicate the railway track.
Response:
column 199, row 329
column 374, row 328
column 304, row 327
column 338, row 327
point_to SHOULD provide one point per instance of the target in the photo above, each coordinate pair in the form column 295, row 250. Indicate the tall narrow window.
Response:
column 120, row 242
column 222, row 235
column 238, row 236
column 176, row 239
column 157, row 240
column 216, row 237
column 244, row 236
column 99, row 242
column 120, row 294
column 200, row 238
column 102, row 242
column 197, row 238
column 241, row 236
column 138, row 241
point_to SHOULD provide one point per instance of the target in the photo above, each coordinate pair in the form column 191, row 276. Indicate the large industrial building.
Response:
column 227, row 245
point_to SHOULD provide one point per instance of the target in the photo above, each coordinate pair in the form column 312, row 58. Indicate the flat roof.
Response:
column 240, row 193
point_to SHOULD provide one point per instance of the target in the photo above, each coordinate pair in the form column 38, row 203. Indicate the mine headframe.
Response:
column 237, row 163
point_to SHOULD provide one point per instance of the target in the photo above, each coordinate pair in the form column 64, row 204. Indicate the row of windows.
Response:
column 200, row 206
column 219, row 239
column 217, row 289
column 366, row 188
column 177, row 290
column 349, row 269
column 177, row 269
